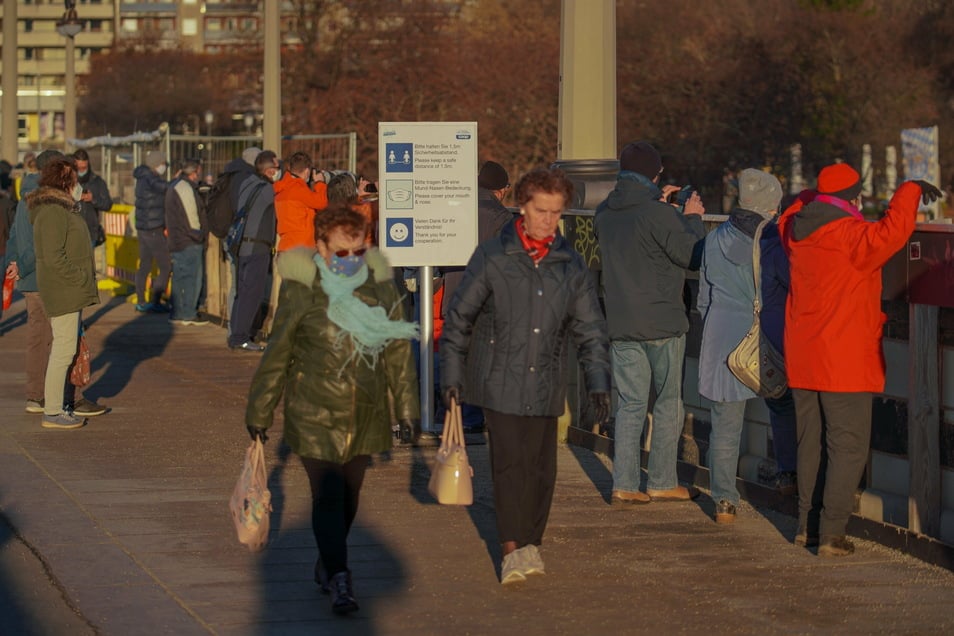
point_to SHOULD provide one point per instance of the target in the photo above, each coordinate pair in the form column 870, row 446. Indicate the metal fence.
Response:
column 115, row 163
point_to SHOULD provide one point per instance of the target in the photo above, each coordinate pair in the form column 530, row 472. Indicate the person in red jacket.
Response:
column 296, row 203
column 833, row 325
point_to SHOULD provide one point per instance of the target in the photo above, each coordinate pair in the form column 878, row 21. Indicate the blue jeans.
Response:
column 187, row 276
column 724, row 440
column 638, row 366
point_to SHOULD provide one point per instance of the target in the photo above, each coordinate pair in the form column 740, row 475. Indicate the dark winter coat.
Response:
column 336, row 407
column 261, row 223
column 239, row 170
column 180, row 232
column 102, row 202
column 775, row 284
column 646, row 246
column 64, row 252
column 507, row 333
column 150, row 198
column 492, row 216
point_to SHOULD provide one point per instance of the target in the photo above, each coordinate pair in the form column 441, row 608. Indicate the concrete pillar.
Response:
column 69, row 104
column 272, row 98
column 587, row 119
column 8, row 124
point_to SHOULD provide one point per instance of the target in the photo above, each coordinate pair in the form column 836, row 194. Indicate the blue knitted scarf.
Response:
column 369, row 328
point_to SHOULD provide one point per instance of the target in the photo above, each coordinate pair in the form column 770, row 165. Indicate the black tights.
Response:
column 334, row 504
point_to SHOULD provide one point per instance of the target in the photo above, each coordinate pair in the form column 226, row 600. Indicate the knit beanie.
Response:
column 46, row 157
column 250, row 154
column 492, row 176
column 759, row 191
column 155, row 158
column 641, row 157
column 839, row 180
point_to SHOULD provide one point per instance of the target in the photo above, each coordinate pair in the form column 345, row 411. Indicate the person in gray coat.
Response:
column 504, row 347
column 726, row 296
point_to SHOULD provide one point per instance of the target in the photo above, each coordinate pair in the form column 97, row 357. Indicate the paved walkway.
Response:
column 130, row 517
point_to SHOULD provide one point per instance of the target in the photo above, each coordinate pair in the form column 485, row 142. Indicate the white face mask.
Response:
column 77, row 192
column 277, row 176
column 161, row 168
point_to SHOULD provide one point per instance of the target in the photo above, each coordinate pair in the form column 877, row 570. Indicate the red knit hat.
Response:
column 839, row 180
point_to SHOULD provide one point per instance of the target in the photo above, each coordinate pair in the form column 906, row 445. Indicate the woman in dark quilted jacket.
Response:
column 524, row 295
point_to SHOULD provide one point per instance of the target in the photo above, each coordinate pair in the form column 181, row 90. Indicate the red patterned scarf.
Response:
column 536, row 248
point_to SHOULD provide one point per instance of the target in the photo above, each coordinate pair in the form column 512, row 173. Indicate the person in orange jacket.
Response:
column 296, row 203
column 833, row 326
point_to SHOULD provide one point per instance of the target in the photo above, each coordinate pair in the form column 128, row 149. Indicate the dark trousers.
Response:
column 784, row 440
column 152, row 247
column 251, row 278
column 834, row 433
column 334, row 504
column 523, row 464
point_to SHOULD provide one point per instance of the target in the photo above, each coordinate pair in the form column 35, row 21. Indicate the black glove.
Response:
column 409, row 430
column 929, row 193
column 257, row 433
column 600, row 400
column 451, row 392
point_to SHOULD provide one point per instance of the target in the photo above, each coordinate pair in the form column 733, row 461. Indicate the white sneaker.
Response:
column 532, row 561
column 511, row 571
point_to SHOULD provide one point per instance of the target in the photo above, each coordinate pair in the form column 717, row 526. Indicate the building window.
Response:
column 190, row 26
column 130, row 25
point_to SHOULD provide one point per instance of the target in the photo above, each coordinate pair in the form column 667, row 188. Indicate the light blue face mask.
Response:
column 346, row 265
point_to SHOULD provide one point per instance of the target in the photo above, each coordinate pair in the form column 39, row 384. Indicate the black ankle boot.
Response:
column 342, row 595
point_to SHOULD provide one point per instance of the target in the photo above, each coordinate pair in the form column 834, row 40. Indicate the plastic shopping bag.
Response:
column 251, row 500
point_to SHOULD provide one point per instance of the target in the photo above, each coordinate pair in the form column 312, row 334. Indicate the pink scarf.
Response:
column 841, row 204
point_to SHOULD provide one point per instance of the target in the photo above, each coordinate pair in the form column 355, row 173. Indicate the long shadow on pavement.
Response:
column 134, row 342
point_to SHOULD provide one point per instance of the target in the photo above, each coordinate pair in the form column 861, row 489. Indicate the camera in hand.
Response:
column 680, row 197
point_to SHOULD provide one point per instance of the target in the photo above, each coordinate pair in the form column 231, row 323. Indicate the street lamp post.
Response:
column 249, row 120
column 69, row 26
column 209, row 120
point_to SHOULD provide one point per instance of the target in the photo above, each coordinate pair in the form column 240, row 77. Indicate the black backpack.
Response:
column 219, row 206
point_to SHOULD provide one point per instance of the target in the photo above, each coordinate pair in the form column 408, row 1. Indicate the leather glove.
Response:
column 451, row 392
column 600, row 400
column 257, row 433
column 929, row 193
column 409, row 430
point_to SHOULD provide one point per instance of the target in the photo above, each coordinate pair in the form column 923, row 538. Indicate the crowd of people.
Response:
column 340, row 349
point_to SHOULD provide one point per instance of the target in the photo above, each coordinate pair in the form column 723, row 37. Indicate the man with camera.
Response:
column 646, row 246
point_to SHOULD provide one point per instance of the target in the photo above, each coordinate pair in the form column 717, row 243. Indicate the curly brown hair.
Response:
column 339, row 216
column 551, row 181
column 60, row 174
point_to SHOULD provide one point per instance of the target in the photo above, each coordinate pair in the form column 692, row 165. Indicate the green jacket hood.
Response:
column 45, row 195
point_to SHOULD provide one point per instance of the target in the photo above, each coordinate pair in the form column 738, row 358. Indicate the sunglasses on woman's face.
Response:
column 357, row 252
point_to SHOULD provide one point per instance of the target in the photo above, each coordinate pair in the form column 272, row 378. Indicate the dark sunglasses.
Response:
column 357, row 252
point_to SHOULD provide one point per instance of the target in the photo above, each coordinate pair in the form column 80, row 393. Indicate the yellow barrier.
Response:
column 122, row 259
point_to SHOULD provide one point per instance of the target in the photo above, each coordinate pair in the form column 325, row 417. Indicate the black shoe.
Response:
column 786, row 483
column 342, row 596
column 248, row 346
column 321, row 578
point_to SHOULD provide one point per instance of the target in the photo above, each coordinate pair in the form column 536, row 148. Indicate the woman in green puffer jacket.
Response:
column 338, row 346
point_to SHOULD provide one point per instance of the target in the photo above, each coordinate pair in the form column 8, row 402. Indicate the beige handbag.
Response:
column 251, row 500
column 755, row 362
column 451, row 476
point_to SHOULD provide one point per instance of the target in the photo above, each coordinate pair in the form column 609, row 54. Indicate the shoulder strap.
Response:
column 757, row 265
column 251, row 199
